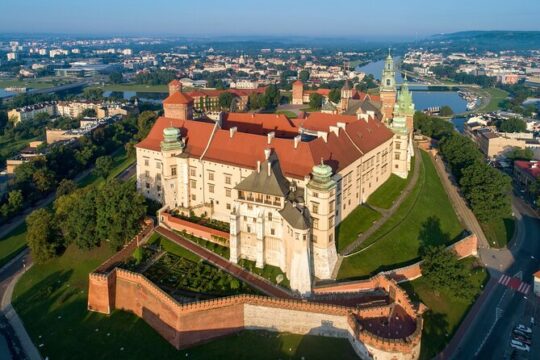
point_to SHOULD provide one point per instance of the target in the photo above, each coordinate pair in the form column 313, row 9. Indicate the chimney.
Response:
column 258, row 166
column 232, row 131
column 363, row 117
column 271, row 135
column 335, row 130
column 341, row 125
column 371, row 114
column 297, row 140
column 267, row 153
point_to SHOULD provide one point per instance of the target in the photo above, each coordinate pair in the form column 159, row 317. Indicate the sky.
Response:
column 318, row 18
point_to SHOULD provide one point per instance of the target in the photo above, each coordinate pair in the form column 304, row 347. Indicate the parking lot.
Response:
column 523, row 339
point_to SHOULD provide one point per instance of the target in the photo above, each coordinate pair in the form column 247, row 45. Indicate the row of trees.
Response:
column 86, row 217
column 156, row 77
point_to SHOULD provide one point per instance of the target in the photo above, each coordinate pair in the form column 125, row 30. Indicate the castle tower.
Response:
column 346, row 94
column 388, row 88
column 297, row 93
column 402, row 126
column 321, row 200
column 175, row 86
column 171, row 146
column 178, row 106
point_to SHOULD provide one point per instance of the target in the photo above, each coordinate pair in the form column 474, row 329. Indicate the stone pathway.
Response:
column 238, row 272
column 388, row 213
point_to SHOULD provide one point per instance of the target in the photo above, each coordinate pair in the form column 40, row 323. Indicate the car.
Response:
column 522, row 339
column 524, row 328
column 521, row 333
column 520, row 346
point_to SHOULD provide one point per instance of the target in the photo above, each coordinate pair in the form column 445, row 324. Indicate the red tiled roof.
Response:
column 178, row 98
column 530, row 167
column 216, row 93
column 244, row 149
column 261, row 124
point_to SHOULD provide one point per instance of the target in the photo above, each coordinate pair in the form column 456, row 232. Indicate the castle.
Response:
column 282, row 184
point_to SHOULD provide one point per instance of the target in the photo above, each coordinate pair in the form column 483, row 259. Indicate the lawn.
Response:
column 426, row 217
column 385, row 196
column 496, row 96
column 35, row 84
column 445, row 310
column 358, row 221
column 10, row 147
column 268, row 272
column 499, row 232
column 12, row 244
column 51, row 299
column 121, row 161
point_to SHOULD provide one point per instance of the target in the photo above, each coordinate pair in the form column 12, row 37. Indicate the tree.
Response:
column 65, row 187
column 119, row 209
column 43, row 180
column 145, row 121
column 315, row 101
column 93, row 94
column 486, row 189
column 304, row 75
column 89, row 113
column 116, row 77
column 520, row 154
column 512, row 125
column 15, row 200
column 443, row 270
column 76, row 217
column 42, row 236
column 334, row 95
column 460, row 152
column 104, row 165
column 446, row 111
column 225, row 100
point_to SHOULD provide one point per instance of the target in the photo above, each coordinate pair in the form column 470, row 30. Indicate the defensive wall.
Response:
column 201, row 231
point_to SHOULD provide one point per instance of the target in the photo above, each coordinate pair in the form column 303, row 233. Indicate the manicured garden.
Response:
column 202, row 220
column 269, row 272
column 446, row 311
column 222, row 251
column 426, row 217
column 358, row 221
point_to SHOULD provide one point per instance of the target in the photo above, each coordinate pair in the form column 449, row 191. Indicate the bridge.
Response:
column 51, row 90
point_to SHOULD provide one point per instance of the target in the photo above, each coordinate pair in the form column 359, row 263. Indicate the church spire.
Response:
column 388, row 79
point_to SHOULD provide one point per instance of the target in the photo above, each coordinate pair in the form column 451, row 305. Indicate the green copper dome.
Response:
column 321, row 177
column 171, row 139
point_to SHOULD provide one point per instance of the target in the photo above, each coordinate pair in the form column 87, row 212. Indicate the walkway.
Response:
column 387, row 214
column 238, row 272
column 9, row 275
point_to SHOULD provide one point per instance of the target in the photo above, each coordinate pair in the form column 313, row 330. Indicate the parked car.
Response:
column 522, row 339
column 521, row 347
column 524, row 328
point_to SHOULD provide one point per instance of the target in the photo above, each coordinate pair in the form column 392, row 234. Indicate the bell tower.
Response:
column 388, row 88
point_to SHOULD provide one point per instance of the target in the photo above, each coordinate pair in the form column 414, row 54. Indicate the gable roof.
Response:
column 269, row 180
column 178, row 98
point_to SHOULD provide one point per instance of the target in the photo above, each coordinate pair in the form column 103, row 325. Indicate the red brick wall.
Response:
column 195, row 229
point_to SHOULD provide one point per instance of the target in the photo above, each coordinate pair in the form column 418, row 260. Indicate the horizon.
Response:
column 301, row 19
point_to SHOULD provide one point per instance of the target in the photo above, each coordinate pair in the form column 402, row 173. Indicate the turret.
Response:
column 298, row 92
column 388, row 88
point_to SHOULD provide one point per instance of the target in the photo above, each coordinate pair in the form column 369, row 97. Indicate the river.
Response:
column 423, row 98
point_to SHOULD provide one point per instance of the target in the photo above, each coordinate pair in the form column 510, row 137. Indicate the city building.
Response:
column 281, row 184
column 526, row 173
column 29, row 112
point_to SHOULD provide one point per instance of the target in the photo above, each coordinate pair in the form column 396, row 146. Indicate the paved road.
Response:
column 9, row 275
column 485, row 332
column 233, row 269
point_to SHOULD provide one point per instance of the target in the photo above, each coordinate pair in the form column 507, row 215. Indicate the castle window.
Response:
column 272, row 232
column 192, row 171
column 228, row 206
column 330, row 237
column 398, row 145
column 228, row 192
column 331, row 221
column 193, row 197
column 315, row 223
column 147, row 173
column 269, row 216
column 228, row 179
column 314, row 208
column 148, row 185
column 211, row 176
column 248, row 228
column 146, row 162
column 314, row 238
column 211, row 188
column 159, row 188
column 158, row 177
column 315, row 194
column 193, row 184
column 158, row 165
column 396, row 156
column 173, row 170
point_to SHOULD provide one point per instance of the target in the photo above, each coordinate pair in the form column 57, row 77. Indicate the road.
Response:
column 485, row 332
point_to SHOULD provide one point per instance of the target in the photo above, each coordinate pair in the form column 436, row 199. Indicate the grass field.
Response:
column 10, row 147
column 385, row 196
column 121, row 161
column 496, row 96
column 499, row 232
column 445, row 310
column 358, row 221
column 35, row 84
column 425, row 217
column 12, row 244
column 51, row 299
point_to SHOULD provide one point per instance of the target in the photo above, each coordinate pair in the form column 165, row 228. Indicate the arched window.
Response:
column 387, row 82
